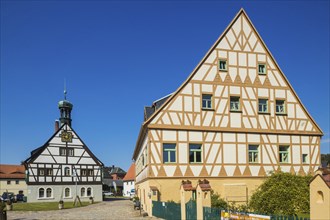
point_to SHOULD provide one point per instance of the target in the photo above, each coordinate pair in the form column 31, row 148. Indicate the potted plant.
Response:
column 91, row 200
column 9, row 205
column 61, row 204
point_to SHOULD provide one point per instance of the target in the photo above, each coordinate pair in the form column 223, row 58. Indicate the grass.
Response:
column 44, row 206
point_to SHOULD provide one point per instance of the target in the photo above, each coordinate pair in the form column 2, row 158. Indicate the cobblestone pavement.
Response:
column 111, row 209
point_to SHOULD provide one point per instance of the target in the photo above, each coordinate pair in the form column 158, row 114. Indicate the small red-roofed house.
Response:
column 12, row 179
column 319, row 188
column 129, row 179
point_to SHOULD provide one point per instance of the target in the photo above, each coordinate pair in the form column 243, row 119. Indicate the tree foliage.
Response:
column 282, row 193
column 217, row 201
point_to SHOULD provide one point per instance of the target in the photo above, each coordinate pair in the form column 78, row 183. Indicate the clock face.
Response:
column 66, row 136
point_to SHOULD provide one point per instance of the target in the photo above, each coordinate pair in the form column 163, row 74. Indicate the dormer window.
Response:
column 223, row 65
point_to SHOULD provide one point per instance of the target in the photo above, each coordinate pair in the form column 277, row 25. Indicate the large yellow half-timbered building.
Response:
column 235, row 119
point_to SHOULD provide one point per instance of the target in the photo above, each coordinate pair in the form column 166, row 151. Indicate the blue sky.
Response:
column 119, row 56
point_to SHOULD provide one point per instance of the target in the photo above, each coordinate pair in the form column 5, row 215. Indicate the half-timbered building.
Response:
column 64, row 167
column 234, row 120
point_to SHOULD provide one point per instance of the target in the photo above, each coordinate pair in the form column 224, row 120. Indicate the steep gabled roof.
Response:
column 36, row 152
column 130, row 175
column 239, row 14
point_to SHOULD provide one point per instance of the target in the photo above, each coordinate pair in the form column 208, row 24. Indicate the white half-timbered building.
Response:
column 235, row 119
column 64, row 167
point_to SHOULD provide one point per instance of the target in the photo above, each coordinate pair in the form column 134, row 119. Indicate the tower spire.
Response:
column 65, row 92
column 65, row 109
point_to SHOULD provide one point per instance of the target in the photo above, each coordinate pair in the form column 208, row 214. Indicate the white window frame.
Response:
column 253, row 154
column 223, row 65
column 280, row 107
column 283, row 153
column 264, row 107
column 235, row 105
column 264, row 69
column 207, row 101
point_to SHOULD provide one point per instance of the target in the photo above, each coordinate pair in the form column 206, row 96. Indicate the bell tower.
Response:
column 65, row 110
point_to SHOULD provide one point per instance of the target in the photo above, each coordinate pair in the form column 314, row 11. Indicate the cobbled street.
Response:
column 111, row 209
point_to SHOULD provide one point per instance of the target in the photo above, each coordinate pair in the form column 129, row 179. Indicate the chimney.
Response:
column 57, row 125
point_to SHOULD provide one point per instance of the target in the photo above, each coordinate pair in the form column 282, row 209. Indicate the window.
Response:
column 82, row 192
column 66, row 151
column 71, row 152
column 90, row 172
column 8, row 182
column 62, row 151
column 284, row 154
column 89, row 191
column 223, row 65
column 263, row 105
column 49, row 172
column 49, row 193
column 319, row 197
column 206, row 101
column 41, row 171
column 262, row 68
column 234, row 103
column 41, row 193
column 84, row 172
column 67, row 192
column 195, row 153
column 253, row 153
column 17, row 182
column 169, row 153
column 304, row 158
column 280, row 107
column 66, row 171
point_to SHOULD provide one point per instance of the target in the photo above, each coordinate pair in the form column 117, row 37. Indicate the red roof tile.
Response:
column 130, row 175
column 12, row 171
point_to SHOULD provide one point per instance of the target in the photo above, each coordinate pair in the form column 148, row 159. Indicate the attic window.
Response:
column 223, row 65
column 262, row 69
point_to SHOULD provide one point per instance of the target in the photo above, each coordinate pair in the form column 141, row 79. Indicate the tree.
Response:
column 282, row 193
column 217, row 201
column 325, row 159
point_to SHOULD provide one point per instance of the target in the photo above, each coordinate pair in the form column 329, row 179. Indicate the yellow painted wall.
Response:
column 169, row 188
column 319, row 205
column 13, row 187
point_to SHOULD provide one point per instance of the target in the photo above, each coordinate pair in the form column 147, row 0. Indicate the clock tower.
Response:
column 65, row 111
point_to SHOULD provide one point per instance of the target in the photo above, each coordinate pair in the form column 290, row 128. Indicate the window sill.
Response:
column 208, row 109
column 281, row 114
column 235, row 111
column 196, row 162
column 285, row 163
column 169, row 163
column 263, row 74
column 264, row 113
column 254, row 163
column 223, row 70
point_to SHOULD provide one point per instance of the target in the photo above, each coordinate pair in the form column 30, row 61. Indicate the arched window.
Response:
column 41, row 193
column 66, row 171
column 83, row 192
column 49, row 193
column 67, row 192
column 320, row 198
column 89, row 191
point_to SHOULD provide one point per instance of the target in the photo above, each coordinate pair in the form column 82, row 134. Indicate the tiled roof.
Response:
column 326, row 178
column 8, row 171
column 130, row 175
